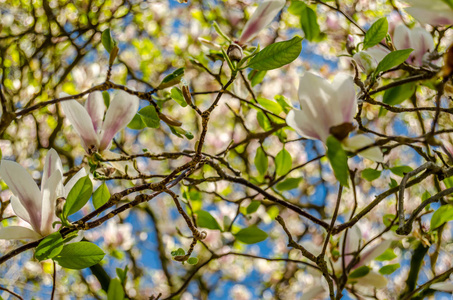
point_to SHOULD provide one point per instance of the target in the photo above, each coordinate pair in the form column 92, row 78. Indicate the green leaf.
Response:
column 371, row 174
column 387, row 219
column 178, row 252
column 393, row 59
column 107, row 40
column 388, row 254
column 277, row 55
column 309, row 24
column 376, row 33
column 283, row 162
column 101, row 196
column 449, row 3
column 338, row 160
column 78, row 196
column 122, row 274
column 172, row 79
column 176, row 94
column 106, row 97
column 180, row 132
column 289, row 184
column 393, row 183
column 116, row 291
column 263, row 121
column 149, row 116
column 442, row 215
column 261, row 161
column 400, row 93
column 401, row 170
column 192, row 261
column 283, row 103
column 270, row 105
column 251, row 235
column 136, row 123
column 389, row 269
column 79, row 255
column 256, row 77
column 253, row 207
column 296, row 7
column 359, row 272
column 49, row 247
column 206, row 220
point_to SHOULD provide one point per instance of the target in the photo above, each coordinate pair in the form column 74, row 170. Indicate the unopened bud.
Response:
column 365, row 61
column 113, row 54
column 447, row 68
column 180, row 257
column 59, row 206
column 235, row 52
column 350, row 46
column 169, row 121
column 187, row 95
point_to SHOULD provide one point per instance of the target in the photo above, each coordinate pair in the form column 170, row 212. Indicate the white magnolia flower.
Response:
column 433, row 12
column 96, row 131
column 260, row 19
column 34, row 206
column 369, row 59
column 328, row 105
column 417, row 38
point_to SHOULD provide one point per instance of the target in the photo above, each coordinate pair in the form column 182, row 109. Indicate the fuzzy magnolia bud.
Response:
column 447, row 68
column 187, row 95
column 59, row 206
column 365, row 61
column 235, row 52
column 113, row 54
column 169, row 121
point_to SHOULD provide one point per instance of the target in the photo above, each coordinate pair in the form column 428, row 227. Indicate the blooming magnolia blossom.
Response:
column 96, row 131
column 328, row 105
column 417, row 38
column 260, row 19
column 434, row 12
column 34, row 206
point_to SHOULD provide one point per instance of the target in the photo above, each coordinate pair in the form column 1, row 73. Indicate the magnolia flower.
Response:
column 96, row 131
column 34, row 206
column 260, row 19
column 417, row 38
column 434, row 12
column 329, row 108
column 369, row 59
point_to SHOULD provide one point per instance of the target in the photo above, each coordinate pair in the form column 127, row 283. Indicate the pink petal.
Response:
column 23, row 187
column 402, row 37
column 346, row 101
column 261, row 18
column 299, row 121
column 122, row 109
column 81, row 121
column 352, row 245
column 422, row 43
column 49, row 201
column 96, row 108
column 18, row 233
column 51, row 165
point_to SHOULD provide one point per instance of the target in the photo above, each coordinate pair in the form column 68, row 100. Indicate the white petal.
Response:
column 432, row 17
column 96, row 108
column 23, row 187
column 312, row 293
column 261, row 18
column 360, row 141
column 378, row 52
column 345, row 100
column 49, row 196
column 51, row 164
column 402, row 37
column 372, row 279
column 122, row 109
column 18, row 233
column 352, row 245
column 372, row 253
column 299, row 121
column 442, row 286
column 70, row 184
column 81, row 120
column 19, row 209
column 422, row 43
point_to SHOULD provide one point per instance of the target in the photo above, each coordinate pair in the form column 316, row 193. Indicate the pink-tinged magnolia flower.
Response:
column 417, row 38
column 34, row 206
column 326, row 107
column 369, row 59
column 96, row 131
column 433, row 12
column 260, row 19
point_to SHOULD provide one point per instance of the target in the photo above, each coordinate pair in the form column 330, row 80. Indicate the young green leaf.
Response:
column 49, row 247
column 288, row 184
column 172, row 79
column 149, row 116
column 79, row 255
column 256, row 77
column 206, row 220
column 371, row 174
column 251, row 235
column 338, row 160
column 261, row 161
column 78, row 196
column 309, row 24
column 116, row 291
column 107, row 40
column 270, row 105
column 376, row 33
column 401, row 170
column 283, row 162
column 122, row 274
column 393, row 59
column 387, row 255
column 176, row 94
column 359, row 272
column 398, row 94
column 137, row 123
column 101, row 196
column 442, row 215
column 277, row 55
column 192, row 261
column 253, row 207
column 389, row 269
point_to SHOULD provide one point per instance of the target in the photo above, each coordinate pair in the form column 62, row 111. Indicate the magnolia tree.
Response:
column 226, row 149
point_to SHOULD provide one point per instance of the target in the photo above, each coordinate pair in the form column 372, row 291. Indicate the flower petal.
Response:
column 261, row 18
column 23, row 187
column 70, row 184
column 442, row 286
column 19, row 209
column 371, row 254
column 51, row 165
column 18, row 233
column 298, row 120
column 344, row 91
column 122, row 109
column 96, row 108
column 313, row 292
column 360, row 141
column 81, row 121
column 372, row 279
column 402, row 37
column 434, row 12
column 352, row 245
column 49, row 201
column 422, row 42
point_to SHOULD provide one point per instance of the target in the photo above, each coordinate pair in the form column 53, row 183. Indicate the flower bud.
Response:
column 113, row 55
column 59, row 206
column 169, row 121
column 187, row 95
column 350, row 46
column 235, row 52
column 365, row 61
column 447, row 68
